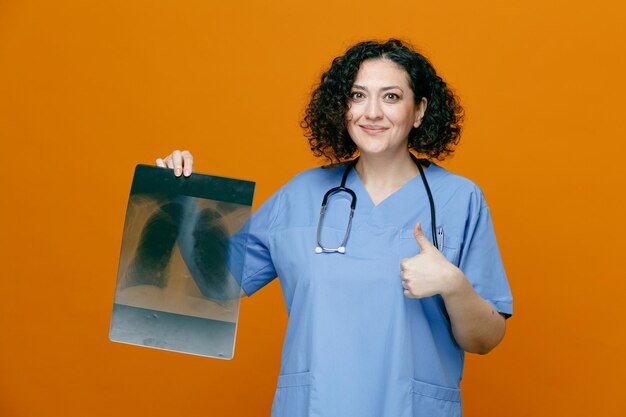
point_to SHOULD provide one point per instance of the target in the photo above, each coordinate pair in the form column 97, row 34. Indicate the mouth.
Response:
column 373, row 128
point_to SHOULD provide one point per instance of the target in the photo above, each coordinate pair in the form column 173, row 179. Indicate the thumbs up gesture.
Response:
column 429, row 272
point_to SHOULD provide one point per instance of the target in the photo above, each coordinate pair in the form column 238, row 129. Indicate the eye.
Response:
column 392, row 96
column 356, row 95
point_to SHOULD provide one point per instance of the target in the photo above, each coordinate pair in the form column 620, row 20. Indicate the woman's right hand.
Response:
column 180, row 162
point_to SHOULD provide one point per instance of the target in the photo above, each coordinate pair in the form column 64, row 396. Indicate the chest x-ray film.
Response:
column 177, row 283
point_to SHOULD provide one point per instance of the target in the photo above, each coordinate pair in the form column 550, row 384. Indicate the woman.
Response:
column 379, row 318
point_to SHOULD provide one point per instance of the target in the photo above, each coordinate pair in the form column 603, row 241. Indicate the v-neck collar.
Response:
column 364, row 200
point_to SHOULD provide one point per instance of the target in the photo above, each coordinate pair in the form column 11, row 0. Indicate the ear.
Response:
column 420, row 110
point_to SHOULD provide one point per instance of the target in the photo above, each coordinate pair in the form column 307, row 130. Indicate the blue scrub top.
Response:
column 355, row 345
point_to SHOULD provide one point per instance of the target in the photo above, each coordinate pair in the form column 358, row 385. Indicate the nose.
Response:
column 373, row 110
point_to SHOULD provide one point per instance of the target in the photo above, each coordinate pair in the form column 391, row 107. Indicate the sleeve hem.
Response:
column 504, row 307
column 247, row 286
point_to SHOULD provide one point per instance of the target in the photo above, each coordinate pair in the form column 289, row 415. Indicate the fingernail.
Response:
column 177, row 172
column 187, row 172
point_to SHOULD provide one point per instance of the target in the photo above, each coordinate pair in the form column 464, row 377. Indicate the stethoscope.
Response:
column 342, row 188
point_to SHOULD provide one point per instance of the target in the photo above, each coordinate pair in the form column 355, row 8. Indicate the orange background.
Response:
column 88, row 89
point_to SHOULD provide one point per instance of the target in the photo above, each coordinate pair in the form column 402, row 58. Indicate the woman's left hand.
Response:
column 429, row 272
column 476, row 325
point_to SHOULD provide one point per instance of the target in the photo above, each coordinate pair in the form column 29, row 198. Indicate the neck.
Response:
column 383, row 176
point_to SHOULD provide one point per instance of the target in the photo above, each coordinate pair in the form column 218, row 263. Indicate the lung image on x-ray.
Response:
column 177, row 288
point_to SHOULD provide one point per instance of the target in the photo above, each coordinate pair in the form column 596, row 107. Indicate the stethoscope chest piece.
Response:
column 340, row 249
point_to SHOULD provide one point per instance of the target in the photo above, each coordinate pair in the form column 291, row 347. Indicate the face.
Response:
column 382, row 109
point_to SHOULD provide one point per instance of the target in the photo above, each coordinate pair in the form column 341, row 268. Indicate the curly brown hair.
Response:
column 324, row 121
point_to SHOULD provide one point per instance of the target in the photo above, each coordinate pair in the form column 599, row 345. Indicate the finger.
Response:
column 406, row 283
column 404, row 264
column 422, row 241
column 160, row 163
column 168, row 161
column 177, row 159
column 407, row 293
column 187, row 163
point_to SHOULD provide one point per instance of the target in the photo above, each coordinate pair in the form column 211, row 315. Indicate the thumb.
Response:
column 422, row 241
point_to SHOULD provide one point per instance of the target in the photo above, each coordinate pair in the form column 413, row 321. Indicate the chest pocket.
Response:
column 451, row 244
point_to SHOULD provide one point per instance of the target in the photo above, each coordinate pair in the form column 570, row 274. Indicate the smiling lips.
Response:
column 373, row 128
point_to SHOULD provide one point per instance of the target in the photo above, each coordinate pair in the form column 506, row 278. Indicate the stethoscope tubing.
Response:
column 342, row 188
column 431, row 202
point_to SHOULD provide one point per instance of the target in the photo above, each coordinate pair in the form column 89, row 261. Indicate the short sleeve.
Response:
column 251, row 244
column 480, row 258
